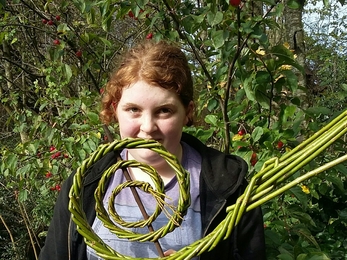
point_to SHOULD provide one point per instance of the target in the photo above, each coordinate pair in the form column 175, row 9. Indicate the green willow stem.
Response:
column 281, row 171
column 340, row 117
column 295, row 165
column 268, row 183
column 301, row 157
column 297, row 181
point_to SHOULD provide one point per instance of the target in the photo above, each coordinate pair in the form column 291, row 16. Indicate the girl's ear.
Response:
column 190, row 113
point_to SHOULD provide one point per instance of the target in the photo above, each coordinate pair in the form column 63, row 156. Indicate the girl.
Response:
column 150, row 96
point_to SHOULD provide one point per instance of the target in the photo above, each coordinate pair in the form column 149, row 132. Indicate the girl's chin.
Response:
column 144, row 156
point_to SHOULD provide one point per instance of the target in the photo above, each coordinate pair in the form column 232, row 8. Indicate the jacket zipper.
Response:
column 215, row 215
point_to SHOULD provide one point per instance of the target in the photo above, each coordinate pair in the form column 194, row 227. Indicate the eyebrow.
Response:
column 157, row 106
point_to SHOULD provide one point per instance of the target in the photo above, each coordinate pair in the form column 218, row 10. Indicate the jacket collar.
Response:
column 222, row 173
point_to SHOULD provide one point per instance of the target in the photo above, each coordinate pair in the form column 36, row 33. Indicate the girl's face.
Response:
column 152, row 112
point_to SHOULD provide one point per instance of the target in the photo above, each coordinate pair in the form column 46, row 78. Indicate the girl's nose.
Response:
column 148, row 124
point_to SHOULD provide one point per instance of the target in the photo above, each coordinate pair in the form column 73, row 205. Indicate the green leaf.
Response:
column 341, row 168
column 218, row 38
column 337, row 181
column 285, row 57
column 257, row 133
column 288, row 133
column 212, row 104
column 319, row 256
column 214, row 18
column 142, row 3
column 92, row 145
column 105, row 41
column 296, row 101
column 300, row 195
column 240, row 144
column 272, row 236
column 24, row 171
column 262, row 98
column 285, row 257
column 11, row 161
column 212, row 120
column 262, row 77
column 68, row 147
column 291, row 78
column 323, row 188
column 342, row 214
column 305, row 233
column 23, row 195
column 303, row 217
column 301, row 257
column 106, row 23
column 248, row 87
column 82, row 154
column 68, row 72
column 93, row 117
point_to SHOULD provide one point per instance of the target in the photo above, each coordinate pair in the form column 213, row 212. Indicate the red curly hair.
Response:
column 157, row 63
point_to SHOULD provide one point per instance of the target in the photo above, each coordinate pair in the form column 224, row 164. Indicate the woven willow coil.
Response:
column 263, row 186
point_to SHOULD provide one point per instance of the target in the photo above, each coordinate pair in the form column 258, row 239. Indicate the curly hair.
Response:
column 160, row 64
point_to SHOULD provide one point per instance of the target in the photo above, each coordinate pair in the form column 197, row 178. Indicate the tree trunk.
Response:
column 294, row 36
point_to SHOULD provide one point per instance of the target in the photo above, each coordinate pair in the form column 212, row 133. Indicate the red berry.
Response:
column 52, row 188
column 279, row 144
column 131, row 14
column 50, row 22
column 79, row 54
column 44, row 21
column 149, row 36
column 56, row 42
column 241, row 131
column 254, row 159
column 66, row 155
column 57, row 187
column 235, row 3
column 57, row 17
column 56, row 155
column 52, row 148
column 49, row 175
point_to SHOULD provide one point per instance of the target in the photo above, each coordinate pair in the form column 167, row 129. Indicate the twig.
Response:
column 28, row 228
column 11, row 236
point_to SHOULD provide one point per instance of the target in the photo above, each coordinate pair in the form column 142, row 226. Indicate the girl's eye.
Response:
column 165, row 110
column 133, row 109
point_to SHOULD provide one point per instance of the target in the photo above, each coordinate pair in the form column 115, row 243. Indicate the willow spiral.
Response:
column 263, row 186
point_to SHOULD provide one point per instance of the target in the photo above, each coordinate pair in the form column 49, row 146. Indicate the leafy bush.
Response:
column 246, row 97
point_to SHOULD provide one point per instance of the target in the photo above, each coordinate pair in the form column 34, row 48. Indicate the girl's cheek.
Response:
column 130, row 126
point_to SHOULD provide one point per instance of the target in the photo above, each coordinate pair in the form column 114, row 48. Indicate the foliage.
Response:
column 326, row 63
column 245, row 94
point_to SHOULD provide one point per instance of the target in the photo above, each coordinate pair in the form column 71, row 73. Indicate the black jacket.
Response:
column 221, row 183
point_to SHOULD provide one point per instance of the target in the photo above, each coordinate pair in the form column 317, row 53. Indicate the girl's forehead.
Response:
column 144, row 91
